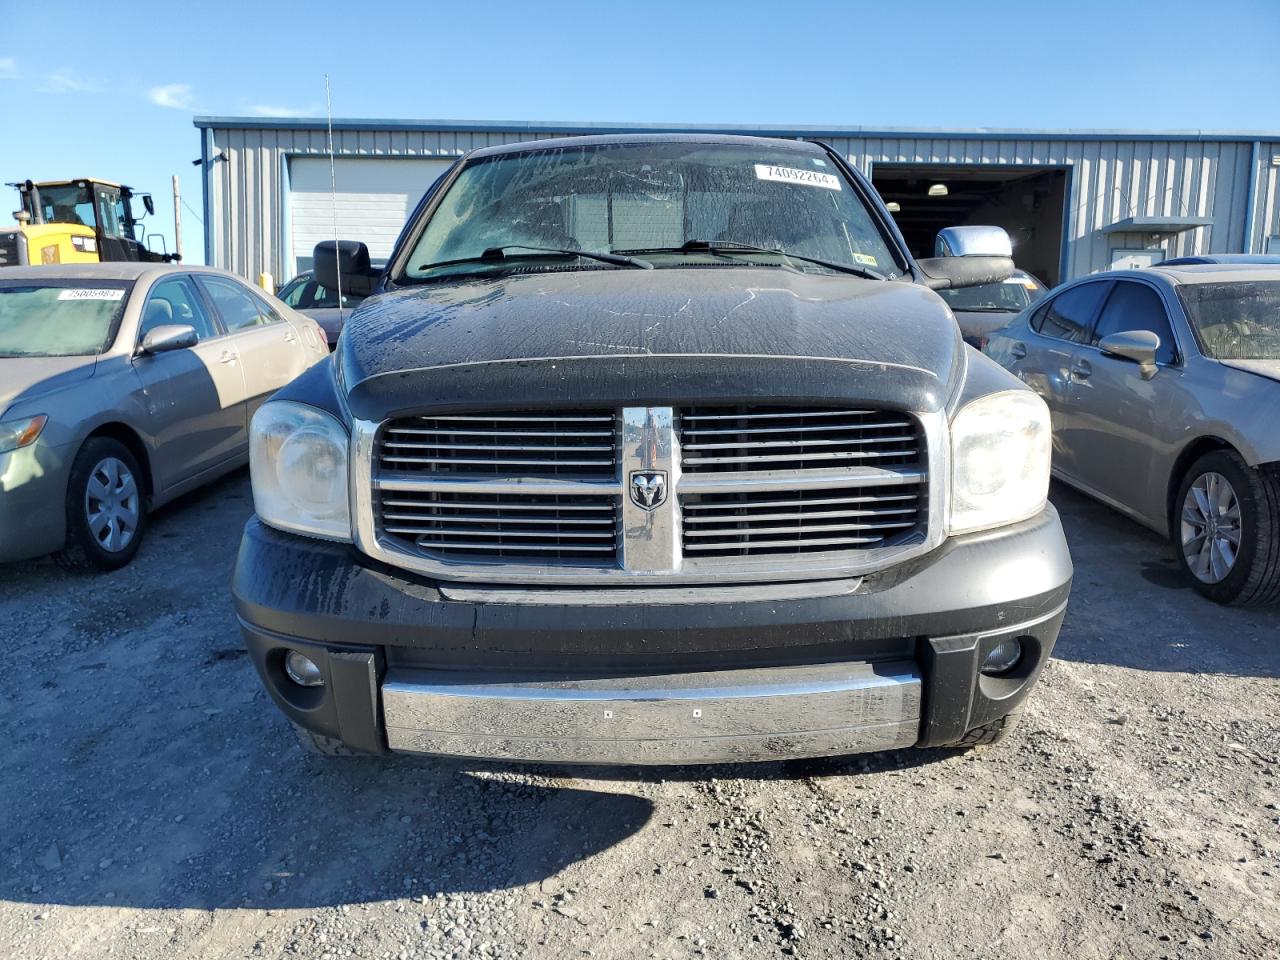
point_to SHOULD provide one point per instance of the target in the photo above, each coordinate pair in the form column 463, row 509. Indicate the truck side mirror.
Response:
column 348, row 258
column 968, row 256
column 149, row 204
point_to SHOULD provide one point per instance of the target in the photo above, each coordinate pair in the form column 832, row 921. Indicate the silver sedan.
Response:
column 125, row 385
column 1164, row 388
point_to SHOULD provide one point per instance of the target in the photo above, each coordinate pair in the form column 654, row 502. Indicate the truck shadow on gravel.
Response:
column 1131, row 606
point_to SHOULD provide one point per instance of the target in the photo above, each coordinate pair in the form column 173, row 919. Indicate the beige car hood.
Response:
column 1263, row 368
column 27, row 378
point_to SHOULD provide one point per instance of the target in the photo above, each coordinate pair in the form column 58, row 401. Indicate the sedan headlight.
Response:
column 15, row 434
column 298, row 465
column 1000, row 450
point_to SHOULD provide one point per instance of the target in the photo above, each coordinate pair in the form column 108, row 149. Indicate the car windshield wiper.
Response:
column 499, row 254
column 724, row 248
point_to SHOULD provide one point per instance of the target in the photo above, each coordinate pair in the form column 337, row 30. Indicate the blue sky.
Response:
column 87, row 93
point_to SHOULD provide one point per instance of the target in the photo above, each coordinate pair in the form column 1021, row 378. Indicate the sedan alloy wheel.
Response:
column 1210, row 527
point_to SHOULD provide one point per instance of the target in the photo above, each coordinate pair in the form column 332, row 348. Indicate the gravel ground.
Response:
column 154, row 803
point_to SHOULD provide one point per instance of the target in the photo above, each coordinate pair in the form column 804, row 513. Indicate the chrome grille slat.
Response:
column 792, row 457
column 786, row 414
column 511, row 551
column 824, row 515
column 824, row 428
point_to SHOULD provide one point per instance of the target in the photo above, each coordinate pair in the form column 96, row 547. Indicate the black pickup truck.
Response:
column 651, row 449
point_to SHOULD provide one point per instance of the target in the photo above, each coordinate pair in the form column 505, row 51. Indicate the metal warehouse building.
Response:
column 1074, row 201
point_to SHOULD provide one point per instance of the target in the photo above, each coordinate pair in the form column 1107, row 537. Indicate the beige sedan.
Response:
column 122, row 386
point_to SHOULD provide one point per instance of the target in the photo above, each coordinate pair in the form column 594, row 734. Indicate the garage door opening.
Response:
column 1029, row 202
column 373, row 199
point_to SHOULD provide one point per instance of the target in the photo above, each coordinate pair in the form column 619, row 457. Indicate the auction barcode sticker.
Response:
column 90, row 293
column 811, row 178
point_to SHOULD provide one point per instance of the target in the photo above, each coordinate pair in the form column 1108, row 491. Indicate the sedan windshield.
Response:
column 59, row 318
column 671, row 203
column 1237, row 320
column 1008, row 296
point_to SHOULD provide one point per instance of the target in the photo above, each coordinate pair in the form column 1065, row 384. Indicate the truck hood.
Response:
column 1263, row 368
column 652, row 336
column 28, row 378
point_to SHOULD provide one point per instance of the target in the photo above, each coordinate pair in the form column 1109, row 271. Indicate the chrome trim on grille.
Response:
column 650, row 544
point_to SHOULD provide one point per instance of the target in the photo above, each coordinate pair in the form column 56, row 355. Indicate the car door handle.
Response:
column 290, row 337
column 1081, row 370
column 228, row 356
column 1018, row 351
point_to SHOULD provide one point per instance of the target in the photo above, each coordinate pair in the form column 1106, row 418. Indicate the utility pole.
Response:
column 177, row 218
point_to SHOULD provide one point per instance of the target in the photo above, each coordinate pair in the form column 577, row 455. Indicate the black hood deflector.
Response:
column 615, row 337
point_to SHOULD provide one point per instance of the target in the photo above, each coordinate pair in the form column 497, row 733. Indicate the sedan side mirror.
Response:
column 169, row 336
column 1140, row 346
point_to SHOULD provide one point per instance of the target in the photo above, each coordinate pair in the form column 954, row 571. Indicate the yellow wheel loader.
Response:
column 76, row 221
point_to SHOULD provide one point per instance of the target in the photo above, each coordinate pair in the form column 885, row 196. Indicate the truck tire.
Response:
column 990, row 733
column 319, row 744
column 106, row 507
column 1226, row 529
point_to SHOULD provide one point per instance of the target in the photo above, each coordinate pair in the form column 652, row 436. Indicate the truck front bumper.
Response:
column 686, row 676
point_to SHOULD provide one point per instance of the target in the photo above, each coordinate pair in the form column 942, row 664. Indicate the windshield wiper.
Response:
column 724, row 248
column 499, row 254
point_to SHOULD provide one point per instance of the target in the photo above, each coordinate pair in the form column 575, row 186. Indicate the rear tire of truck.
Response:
column 990, row 733
column 320, row 745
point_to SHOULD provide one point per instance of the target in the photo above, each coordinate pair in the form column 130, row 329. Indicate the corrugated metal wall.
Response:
column 1110, row 180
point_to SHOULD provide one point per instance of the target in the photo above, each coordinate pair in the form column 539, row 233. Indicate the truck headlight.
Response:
column 298, row 466
column 1000, row 450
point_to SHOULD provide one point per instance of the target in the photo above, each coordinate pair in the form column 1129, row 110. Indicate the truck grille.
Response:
column 697, row 494
column 749, row 524
column 470, row 526
column 549, row 444
column 734, row 439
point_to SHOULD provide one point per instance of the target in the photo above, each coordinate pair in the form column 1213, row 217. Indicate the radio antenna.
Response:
column 333, row 195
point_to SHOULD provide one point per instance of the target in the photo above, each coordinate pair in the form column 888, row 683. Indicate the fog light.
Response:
column 1002, row 658
column 302, row 670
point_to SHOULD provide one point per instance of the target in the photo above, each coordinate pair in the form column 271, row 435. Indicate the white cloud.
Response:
column 175, row 96
column 273, row 110
column 9, row 69
column 65, row 80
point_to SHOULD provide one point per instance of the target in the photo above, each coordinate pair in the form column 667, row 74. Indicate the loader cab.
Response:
column 105, row 208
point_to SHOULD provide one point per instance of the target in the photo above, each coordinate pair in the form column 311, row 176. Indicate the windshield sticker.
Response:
column 810, row 178
column 819, row 162
column 90, row 293
column 866, row 259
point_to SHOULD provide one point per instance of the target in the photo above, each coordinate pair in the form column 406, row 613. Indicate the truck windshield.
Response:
column 59, row 319
column 1237, row 320
column 676, row 203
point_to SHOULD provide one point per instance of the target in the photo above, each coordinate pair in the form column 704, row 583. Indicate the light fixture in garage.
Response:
column 938, row 190
column 893, row 206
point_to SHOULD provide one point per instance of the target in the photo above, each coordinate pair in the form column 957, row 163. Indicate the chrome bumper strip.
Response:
column 726, row 716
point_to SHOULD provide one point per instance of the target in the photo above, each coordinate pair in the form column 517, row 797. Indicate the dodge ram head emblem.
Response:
column 648, row 488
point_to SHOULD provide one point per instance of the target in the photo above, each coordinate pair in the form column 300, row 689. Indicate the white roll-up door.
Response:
column 374, row 198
